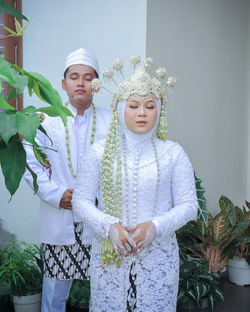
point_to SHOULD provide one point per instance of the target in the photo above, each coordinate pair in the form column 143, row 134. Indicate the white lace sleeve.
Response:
column 184, row 197
column 85, row 193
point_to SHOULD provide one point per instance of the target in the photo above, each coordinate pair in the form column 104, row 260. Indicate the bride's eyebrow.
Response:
column 133, row 101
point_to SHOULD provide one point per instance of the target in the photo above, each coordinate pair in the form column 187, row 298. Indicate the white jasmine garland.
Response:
column 108, row 73
column 96, row 84
column 148, row 63
column 135, row 59
column 171, row 82
column 161, row 72
column 118, row 64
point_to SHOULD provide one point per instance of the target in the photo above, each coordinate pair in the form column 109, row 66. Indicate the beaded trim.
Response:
column 67, row 138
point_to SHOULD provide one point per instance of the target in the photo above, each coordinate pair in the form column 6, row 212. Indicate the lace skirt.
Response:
column 148, row 279
column 65, row 262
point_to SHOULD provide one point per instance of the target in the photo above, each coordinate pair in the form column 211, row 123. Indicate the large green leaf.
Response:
column 12, row 93
column 30, row 109
column 13, row 163
column 21, row 81
column 6, row 73
column 4, row 7
column 7, row 126
column 49, row 110
column 48, row 93
column 200, row 191
column 27, row 126
column 34, row 176
column 45, row 133
column 44, row 90
column 53, row 111
column 227, row 208
column 5, row 105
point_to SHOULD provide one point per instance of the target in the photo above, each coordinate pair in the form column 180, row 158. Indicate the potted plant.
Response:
column 79, row 296
column 21, row 268
column 197, row 288
column 212, row 242
column 239, row 262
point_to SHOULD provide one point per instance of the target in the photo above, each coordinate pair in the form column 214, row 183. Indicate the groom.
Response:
column 65, row 255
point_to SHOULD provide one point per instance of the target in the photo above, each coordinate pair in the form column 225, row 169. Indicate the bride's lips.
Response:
column 141, row 122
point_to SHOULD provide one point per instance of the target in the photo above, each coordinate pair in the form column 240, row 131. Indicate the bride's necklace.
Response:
column 67, row 138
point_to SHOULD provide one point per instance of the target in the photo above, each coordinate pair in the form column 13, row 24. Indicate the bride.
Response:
column 146, row 191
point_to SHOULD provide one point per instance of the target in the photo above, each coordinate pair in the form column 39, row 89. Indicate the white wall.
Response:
column 204, row 43
column 111, row 29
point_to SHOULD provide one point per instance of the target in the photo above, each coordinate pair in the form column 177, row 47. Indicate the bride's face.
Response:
column 140, row 113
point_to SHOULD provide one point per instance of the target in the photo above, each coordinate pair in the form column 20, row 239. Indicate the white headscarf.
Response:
column 82, row 57
column 134, row 140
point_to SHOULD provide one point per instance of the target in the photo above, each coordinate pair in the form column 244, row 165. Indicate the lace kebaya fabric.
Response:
column 157, row 266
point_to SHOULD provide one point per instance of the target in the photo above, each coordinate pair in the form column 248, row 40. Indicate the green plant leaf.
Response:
column 49, row 110
column 10, row 31
column 7, row 126
column 21, row 81
column 48, row 94
column 25, row 26
column 200, row 191
column 6, row 73
column 12, row 93
column 18, row 27
column 34, row 176
column 5, row 105
column 27, row 126
column 227, row 208
column 30, row 109
column 45, row 133
column 212, row 301
column 13, row 163
column 4, row 7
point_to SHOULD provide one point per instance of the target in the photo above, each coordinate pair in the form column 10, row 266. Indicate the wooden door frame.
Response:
column 13, row 49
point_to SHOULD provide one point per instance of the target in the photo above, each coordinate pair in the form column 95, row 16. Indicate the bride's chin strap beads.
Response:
column 141, row 83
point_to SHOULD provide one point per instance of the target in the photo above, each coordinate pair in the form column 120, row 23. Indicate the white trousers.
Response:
column 55, row 294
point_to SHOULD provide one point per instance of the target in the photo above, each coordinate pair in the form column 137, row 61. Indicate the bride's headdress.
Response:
column 141, row 83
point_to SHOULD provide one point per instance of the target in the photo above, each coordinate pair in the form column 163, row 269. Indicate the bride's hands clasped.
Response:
column 131, row 240
column 143, row 234
column 120, row 238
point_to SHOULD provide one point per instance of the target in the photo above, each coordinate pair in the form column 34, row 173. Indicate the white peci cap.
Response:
column 82, row 57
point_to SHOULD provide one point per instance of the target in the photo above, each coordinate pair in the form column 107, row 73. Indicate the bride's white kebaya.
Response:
column 145, row 190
